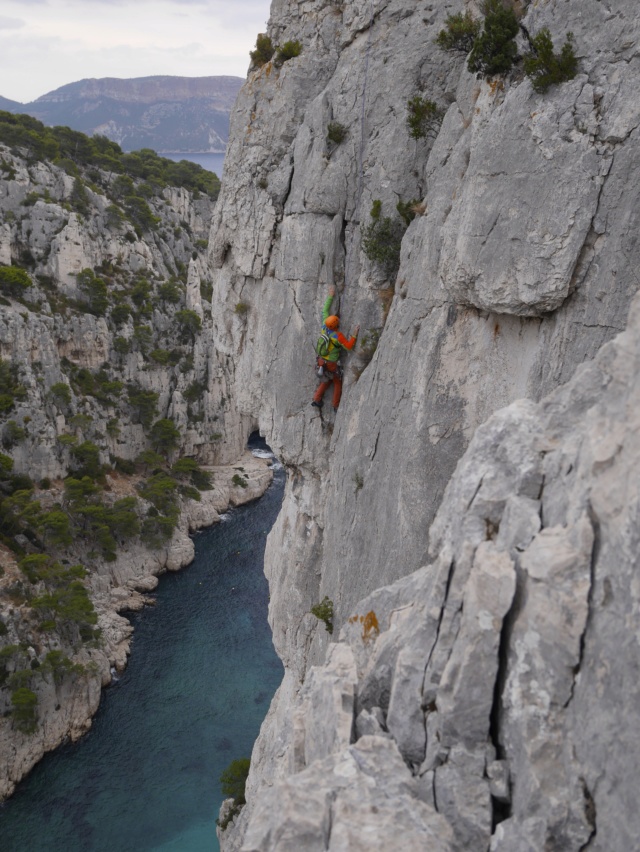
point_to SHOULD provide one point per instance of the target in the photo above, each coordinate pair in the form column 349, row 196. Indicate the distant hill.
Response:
column 163, row 113
column 10, row 106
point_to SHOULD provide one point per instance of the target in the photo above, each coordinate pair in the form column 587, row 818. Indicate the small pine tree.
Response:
column 494, row 50
column 546, row 68
column 424, row 117
column 460, row 32
column 264, row 50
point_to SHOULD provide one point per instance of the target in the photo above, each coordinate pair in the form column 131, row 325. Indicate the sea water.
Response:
column 198, row 684
column 210, row 162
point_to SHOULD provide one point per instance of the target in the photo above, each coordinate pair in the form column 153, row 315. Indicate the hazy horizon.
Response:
column 46, row 44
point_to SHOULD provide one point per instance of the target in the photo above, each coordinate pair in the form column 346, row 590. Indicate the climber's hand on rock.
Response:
column 332, row 290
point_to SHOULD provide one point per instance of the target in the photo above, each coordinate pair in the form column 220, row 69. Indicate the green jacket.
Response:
column 337, row 340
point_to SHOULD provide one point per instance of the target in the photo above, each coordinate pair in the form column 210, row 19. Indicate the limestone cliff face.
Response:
column 520, row 267
column 51, row 340
column 485, row 701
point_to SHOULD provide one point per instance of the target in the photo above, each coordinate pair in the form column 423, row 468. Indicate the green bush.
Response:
column 407, row 210
column 78, row 491
column 160, row 490
column 10, row 388
column 164, row 436
column 234, row 779
column 60, row 394
column 79, row 199
column 13, row 280
column 143, row 336
column 195, row 391
column 144, row 404
column 381, row 241
column 264, row 50
column 119, row 315
column 336, row 132
column 56, row 528
column 288, row 50
column 323, row 611
column 87, row 458
column 121, row 345
column 424, row 117
column 12, row 434
column 170, row 292
column 459, row 33
column 494, row 50
column 189, row 322
column 546, row 68
column 141, row 292
column 24, row 710
column 160, row 356
column 238, row 480
column 140, row 213
column 60, row 666
column 157, row 530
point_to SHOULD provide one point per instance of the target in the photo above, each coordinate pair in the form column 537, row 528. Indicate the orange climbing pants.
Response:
column 336, row 379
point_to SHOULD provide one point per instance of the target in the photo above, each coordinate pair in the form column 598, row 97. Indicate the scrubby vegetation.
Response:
column 71, row 149
column 424, row 117
column 544, row 67
column 323, row 611
column 459, row 33
column 336, row 132
column 494, row 49
column 233, row 782
column 264, row 50
column 381, row 240
column 288, row 50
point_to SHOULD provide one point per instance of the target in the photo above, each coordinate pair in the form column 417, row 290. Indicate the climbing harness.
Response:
column 328, row 369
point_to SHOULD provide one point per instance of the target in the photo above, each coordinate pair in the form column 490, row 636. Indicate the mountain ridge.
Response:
column 163, row 112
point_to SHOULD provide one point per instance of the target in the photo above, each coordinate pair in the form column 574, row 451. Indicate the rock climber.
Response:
column 328, row 350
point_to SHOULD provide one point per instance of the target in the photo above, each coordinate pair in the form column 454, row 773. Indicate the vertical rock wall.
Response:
column 521, row 266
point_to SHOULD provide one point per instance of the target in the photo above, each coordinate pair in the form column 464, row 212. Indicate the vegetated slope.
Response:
column 110, row 402
column 518, row 265
column 163, row 113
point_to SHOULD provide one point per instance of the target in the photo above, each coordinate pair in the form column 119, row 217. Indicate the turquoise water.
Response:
column 199, row 681
column 210, row 162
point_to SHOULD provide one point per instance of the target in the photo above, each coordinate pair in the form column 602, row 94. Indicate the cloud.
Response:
column 63, row 41
column 11, row 23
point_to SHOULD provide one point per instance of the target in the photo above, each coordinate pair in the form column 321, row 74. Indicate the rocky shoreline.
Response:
column 67, row 709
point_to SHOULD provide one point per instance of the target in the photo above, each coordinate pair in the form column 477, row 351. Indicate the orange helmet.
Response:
column 332, row 322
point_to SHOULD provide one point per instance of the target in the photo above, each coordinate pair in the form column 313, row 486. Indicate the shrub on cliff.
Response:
column 546, row 68
column 13, row 280
column 459, row 33
column 234, row 779
column 10, row 388
column 381, row 241
column 323, row 611
column 86, row 457
column 288, row 50
column 24, row 710
column 164, row 436
column 494, row 50
column 144, row 404
column 424, row 117
column 95, row 292
column 189, row 322
column 264, row 50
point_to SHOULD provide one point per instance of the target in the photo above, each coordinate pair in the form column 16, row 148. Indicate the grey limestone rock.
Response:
column 517, row 700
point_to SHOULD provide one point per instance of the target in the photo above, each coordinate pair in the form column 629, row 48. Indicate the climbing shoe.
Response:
column 317, row 404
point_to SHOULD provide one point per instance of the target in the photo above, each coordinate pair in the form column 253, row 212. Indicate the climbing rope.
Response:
column 373, row 6
column 364, row 101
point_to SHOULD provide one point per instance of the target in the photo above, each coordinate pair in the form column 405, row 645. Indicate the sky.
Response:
column 45, row 44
